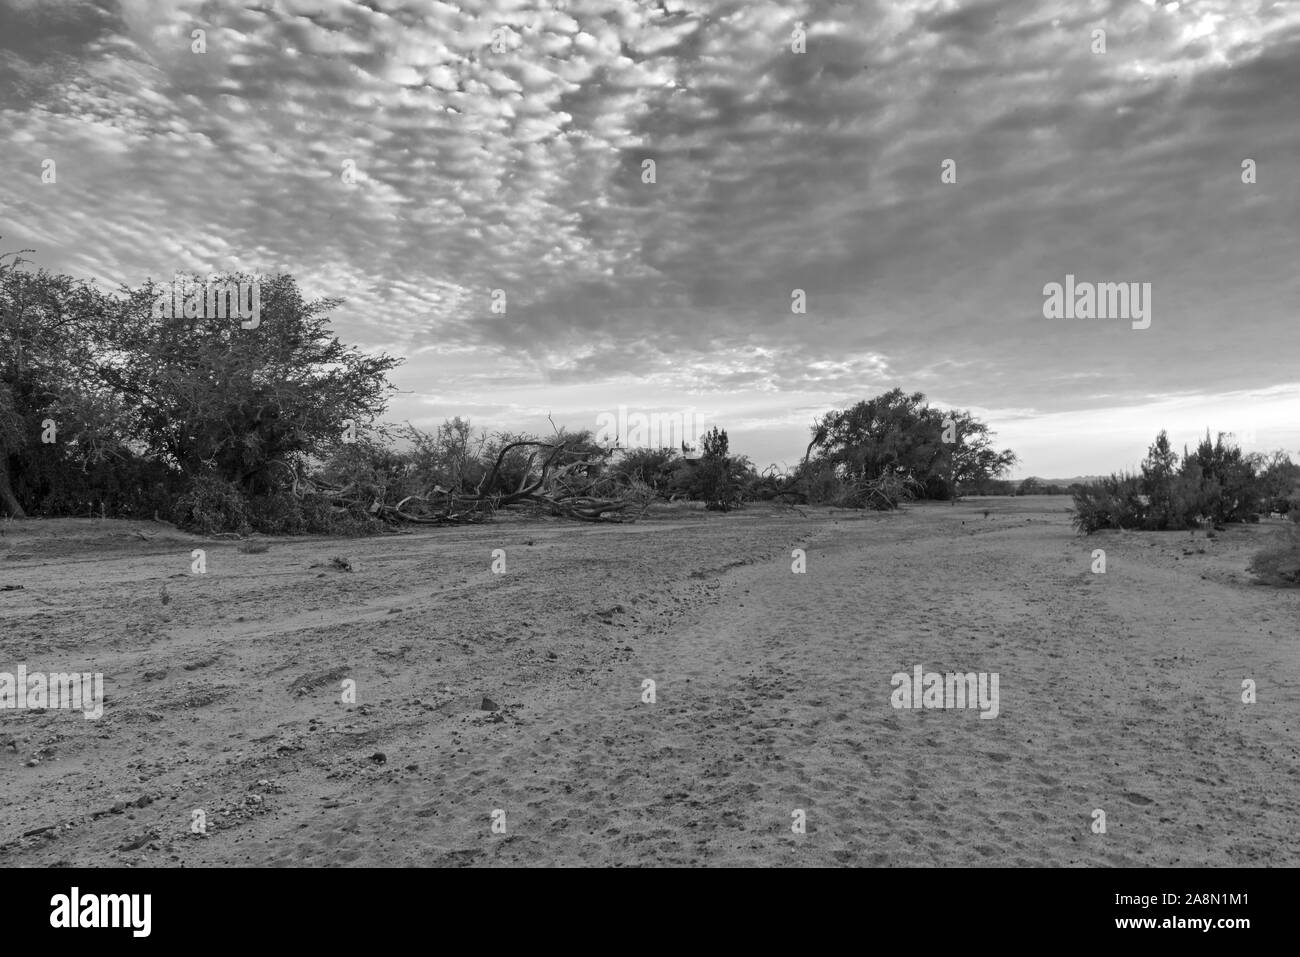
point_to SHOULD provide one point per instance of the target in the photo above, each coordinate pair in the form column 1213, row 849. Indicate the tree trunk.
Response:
column 8, row 500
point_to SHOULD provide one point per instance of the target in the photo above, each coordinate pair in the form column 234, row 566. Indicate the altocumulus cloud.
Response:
column 500, row 146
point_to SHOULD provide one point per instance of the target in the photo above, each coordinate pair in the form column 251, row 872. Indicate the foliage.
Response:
column 1278, row 479
column 653, row 467
column 900, row 438
column 1216, row 483
column 1278, row 563
column 1112, row 502
column 716, row 478
column 1036, row 486
column 1227, row 483
column 210, row 505
column 215, row 398
column 225, row 426
column 64, row 444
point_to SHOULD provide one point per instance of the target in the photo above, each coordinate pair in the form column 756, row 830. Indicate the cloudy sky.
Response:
column 797, row 145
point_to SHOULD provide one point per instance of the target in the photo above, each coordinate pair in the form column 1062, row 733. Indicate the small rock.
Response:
column 487, row 704
column 379, row 757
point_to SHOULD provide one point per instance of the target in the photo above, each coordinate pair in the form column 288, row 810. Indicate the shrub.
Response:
column 1229, row 486
column 823, row 485
column 653, row 467
column 1216, row 482
column 1114, row 502
column 278, row 513
column 320, row 517
column 1279, row 562
column 1278, row 481
column 211, row 505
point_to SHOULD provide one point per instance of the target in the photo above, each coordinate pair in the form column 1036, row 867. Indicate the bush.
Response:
column 1230, row 489
column 1214, row 483
column 1114, row 502
column 653, row 467
column 1279, row 563
column 1030, row 486
column 278, row 513
column 823, row 485
column 212, row 505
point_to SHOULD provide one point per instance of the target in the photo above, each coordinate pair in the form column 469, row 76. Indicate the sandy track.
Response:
column 1118, row 691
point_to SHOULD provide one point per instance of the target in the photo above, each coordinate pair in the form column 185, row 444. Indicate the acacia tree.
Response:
column 219, row 399
column 899, row 437
column 50, row 334
column 975, row 461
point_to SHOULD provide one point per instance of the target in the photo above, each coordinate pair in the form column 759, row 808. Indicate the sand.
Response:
column 1119, row 692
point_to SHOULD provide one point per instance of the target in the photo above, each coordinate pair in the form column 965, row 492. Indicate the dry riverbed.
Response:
column 224, row 694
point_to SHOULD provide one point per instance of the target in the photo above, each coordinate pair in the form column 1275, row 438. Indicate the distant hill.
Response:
column 1063, row 482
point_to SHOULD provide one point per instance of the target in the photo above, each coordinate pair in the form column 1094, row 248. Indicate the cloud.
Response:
column 498, row 146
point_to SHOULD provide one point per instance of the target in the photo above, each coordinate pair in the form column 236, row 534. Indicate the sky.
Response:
column 472, row 179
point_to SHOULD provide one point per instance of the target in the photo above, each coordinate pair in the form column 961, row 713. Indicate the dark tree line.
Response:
column 110, row 406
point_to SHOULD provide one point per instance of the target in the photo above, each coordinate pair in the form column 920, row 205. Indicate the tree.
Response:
column 893, row 433
column 1278, row 479
column 1030, row 486
column 1160, row 469
column 51, row 331
column 1226, row 478
column 216, row 398
column 897, row 436
column 714, row 480
column 11, row 437
column 975, row 461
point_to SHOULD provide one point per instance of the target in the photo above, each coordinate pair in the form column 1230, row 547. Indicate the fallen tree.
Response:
column 557, row 478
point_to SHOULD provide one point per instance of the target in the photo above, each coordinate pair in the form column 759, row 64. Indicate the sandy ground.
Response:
column 1118, row 691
